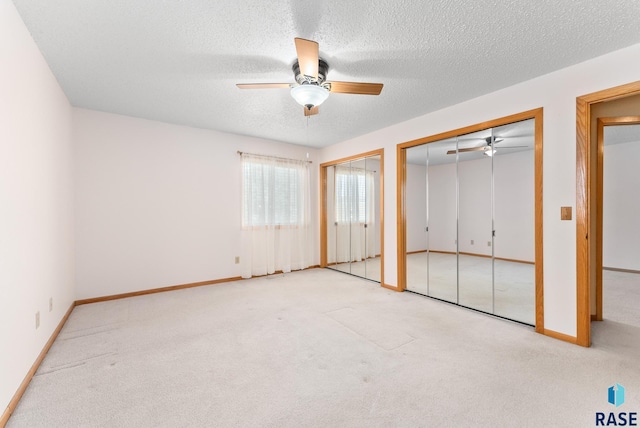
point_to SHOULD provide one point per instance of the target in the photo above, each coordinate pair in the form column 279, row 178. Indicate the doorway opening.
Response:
column 588, row 251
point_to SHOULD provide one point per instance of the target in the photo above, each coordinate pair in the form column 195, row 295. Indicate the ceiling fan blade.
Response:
column 312, row 111
column 356, row 88
column 308, row 53
column 262, row 85
column 470, row 149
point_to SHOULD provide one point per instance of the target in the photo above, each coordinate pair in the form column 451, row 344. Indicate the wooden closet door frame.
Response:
column 323, row 208
column 401, row 157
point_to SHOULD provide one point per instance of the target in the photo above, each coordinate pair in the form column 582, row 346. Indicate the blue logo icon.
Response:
column 616, row 395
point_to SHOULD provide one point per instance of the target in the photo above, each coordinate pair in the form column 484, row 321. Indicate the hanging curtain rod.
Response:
column 273, row 157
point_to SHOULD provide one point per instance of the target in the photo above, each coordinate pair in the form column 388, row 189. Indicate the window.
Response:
column 273, row 192
column 276, row 230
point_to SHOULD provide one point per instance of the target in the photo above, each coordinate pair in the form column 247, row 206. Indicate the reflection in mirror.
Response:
column 343, row 205
column 416, row 222
column 470, row 220
column 514, row 221
column 372, row 223
column 353, row 229
column 442, row 220
column 475, row 220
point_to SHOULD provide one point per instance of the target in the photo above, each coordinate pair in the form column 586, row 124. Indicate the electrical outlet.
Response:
column 472, row 241
column 37, row 319
column 50, row 304
column 488, row 243
column 237, row 260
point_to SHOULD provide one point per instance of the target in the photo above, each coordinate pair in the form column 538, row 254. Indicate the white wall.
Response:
column 621, row 206
column 159, row 204
column 556, row 93
column 36, row 219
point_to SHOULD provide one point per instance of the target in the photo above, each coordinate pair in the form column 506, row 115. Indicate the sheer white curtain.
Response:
column 276, row 229
column 353, row 215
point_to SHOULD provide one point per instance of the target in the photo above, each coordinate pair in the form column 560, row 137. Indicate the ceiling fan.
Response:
column 489, row 148
column 310, row 73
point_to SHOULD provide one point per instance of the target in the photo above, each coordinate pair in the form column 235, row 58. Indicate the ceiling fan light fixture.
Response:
column 309, row 95
column 488, row 151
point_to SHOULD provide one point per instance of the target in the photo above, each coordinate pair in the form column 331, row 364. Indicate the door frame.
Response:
column 586, row 192
column 323, row 207
column 401, row 157
column 602, row 122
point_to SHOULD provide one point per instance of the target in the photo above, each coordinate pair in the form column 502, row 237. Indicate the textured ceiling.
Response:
column 179, row 61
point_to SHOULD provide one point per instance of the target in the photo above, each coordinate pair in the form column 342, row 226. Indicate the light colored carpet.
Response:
column 621, row 297
column 318, row 349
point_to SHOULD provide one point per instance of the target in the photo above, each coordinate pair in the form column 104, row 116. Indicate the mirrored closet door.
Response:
column 470, row 220
column 351, row 212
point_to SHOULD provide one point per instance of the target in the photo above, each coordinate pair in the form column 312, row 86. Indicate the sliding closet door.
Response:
column 357, row 217
column 344, row 204
column 442, row 220
column 371, row 220
column 417, row 221
column 475, row 219
column 332, row 223
column 353, row 195
column 470, row 220
column 514, row 244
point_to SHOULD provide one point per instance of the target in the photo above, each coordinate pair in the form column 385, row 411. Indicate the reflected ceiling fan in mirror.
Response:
column 310, row 72
column 489, row 147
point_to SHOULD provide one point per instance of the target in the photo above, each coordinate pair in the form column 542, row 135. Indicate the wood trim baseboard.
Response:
column 620, row 270
column 390, row 287
column 560, row 336
column 515, row 261
column 27, row 379
column 497, row 258
column 172, row 288
column 154, row 290
column 488, row 256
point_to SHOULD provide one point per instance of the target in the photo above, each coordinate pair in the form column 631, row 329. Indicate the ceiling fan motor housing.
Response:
column 323, row 69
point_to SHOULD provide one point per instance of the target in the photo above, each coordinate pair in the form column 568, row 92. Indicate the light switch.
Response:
column 565, row 213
